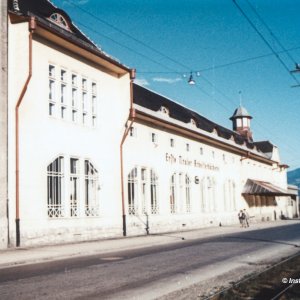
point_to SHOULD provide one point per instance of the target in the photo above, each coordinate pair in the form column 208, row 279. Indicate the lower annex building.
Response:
column 80, row 170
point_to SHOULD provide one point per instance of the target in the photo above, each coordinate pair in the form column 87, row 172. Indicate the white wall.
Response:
column 140, row 151
column 43, row 138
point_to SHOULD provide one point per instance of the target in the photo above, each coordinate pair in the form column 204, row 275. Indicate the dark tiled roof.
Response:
column 264, row 146
column 44, row 9
column 154, row 102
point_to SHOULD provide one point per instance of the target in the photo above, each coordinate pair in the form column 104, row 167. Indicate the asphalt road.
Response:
column 151, row 272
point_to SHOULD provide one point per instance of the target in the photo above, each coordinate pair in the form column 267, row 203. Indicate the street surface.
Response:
column 158, row 271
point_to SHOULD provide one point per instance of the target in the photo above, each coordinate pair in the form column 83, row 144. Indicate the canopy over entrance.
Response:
column 263, row 188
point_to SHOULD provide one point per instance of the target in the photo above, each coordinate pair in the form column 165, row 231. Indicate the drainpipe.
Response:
column 32, row 26
column 130, row 119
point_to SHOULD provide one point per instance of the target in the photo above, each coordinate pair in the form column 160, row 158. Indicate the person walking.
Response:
column 241, row 218
column 246, row 219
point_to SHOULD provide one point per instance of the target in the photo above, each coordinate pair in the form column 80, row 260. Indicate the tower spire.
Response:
column 241, row 122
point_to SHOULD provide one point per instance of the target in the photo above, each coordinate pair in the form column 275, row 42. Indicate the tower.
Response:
column 241, row 123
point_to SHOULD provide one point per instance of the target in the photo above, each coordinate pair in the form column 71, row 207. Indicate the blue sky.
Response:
column 166, row 40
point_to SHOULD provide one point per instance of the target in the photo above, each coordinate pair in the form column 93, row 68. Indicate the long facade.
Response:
column 184, row 171
column 92, row 155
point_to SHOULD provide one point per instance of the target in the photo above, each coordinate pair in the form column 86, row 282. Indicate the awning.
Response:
column 263, row 188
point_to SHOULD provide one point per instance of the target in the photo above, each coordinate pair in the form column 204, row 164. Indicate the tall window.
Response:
column 229, row 195
column 172, row 143
column 63, row 100
column 143, row 184
column 74, row 186
column 153, row 192
column 132, row 131
column 94, row 104
column 211, row 193
column 187, row 194
column 173, row 194
column 74, row 98
column 84, row 100
column 52, row 86
column 66, row 172
column 84, row 107
column 154, row 137
column 55, row 188
column 142, row 188
column 132, row 192
column 202, row 195
column 91, row 189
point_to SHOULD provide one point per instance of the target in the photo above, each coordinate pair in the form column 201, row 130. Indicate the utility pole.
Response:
column 3, row 128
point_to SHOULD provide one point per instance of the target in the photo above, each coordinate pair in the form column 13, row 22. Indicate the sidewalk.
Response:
column 21, row 256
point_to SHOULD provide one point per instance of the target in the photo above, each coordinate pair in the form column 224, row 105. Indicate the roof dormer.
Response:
column 58, row 19
column 164, row 110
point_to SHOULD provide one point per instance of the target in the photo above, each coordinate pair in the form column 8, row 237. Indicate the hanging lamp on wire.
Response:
column 191, row 80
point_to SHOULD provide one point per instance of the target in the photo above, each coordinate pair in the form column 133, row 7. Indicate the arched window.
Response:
column 142, row 189
column 132, row 192
column 91, row 189
column 55, row 188
column 173, row 188
column 59, row 20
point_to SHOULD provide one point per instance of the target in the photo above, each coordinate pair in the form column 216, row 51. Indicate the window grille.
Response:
column 91, row 189
column 132, row 192
column 74, row 186
column 55, row 188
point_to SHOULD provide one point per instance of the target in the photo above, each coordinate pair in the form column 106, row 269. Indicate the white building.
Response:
column 92, row 155
column 185, row 171
column 64, row 136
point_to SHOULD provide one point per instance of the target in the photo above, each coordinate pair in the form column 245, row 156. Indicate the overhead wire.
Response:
column 266, row 42
column 156, row 51
column 149, row 47
column 223, row 65
column 270, row 31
